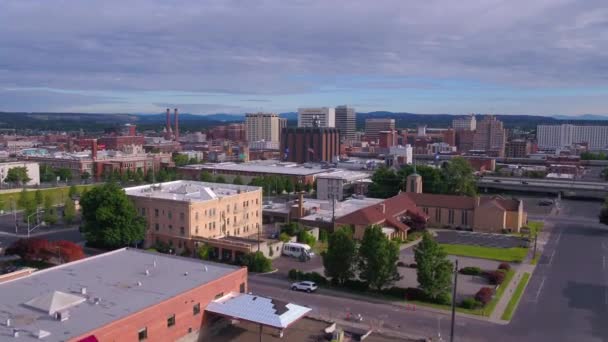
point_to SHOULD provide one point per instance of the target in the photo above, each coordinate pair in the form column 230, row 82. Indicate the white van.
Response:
column 297, row 250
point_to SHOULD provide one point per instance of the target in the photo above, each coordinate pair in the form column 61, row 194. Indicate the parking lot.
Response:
column 480, row 239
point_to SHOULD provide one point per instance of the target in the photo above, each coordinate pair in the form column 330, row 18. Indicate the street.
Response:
column 566, row 299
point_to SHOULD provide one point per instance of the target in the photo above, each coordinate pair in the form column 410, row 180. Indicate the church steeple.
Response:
column 414, row 182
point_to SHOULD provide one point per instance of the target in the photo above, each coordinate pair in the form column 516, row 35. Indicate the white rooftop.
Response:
column 190, row 191
column 270, row 167
column 345, row 175
column 256, row 309
column 321, row 210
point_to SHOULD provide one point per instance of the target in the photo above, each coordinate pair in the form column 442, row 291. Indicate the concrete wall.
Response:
column 33, row 170
column 490, row 219
column 154, row 318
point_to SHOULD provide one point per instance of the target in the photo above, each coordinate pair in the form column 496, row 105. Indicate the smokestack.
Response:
column 176, row 125
column 168, row 125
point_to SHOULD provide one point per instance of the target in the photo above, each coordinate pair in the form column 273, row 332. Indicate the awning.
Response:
column 256, row 309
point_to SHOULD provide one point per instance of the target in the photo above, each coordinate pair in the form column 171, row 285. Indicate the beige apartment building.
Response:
column 185, row 214
column 263, row 126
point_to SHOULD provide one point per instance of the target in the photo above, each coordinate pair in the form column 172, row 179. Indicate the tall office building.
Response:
column 346, row 122
column 490, row 136
column 560, row 136
column 373, row 127
column 326, row 116
column 310, row 144
column 262, row 126
column 467, row 123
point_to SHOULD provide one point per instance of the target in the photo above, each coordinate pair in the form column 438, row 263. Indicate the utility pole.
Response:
column 454, row 300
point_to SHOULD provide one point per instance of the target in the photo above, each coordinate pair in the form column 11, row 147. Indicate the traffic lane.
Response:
column 375, row 312
column 567, row 297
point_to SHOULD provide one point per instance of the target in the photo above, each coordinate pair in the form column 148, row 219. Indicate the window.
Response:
column 156, row 227
column 438, row 214
column 169, row 214
column 179, row 244
column 182, row 231
column 219, row 295
column 242, row 288
column 196, row 216
column 170, row 227
column 465, row 218
column 171, row 321
column 142, row 334
column 155, row 212
column 425, row 210
column 196, row 230
column 182, row 216
column 143, row 211
column 196, row 309
column 451, row 216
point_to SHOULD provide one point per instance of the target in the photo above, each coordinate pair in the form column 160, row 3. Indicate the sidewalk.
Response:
column 54, row 231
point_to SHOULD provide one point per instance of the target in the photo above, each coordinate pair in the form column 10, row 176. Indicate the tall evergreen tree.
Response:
column 433, row 268
column 339, row 259
column 378, row 258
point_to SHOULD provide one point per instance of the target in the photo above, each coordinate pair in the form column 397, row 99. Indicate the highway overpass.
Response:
column 567, row 188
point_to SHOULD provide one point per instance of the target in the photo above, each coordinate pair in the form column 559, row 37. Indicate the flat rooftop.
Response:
column 189, row 191
column 261, row 167
column 321, row 210
column 345, row 175
column 112, row 277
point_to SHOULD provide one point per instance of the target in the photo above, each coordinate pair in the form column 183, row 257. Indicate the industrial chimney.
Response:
column 176, row 125
column 168, row 125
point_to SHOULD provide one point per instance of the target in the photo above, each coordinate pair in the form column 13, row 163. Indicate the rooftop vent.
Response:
column 40, row 334
column 147, row 272
column 62, row 316
column 139, row 283
column 15, row 333
column 205, row 268
column 97, row 300
column 8, row 322
column 83, row 291
column 185, row 273
column 154, row 264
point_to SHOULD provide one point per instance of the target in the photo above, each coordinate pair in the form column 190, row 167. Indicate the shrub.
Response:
column 414, row 265
column 414, row 293
column 395, row 291
column 470, row 303
column 401, row 264
column 291, row 229
column 306, row 238
column 496, row 277
column 471, row 271
column 504, row 266
column 356, row 285
column 443, row 299
column 293, row 274
column 323, row 235
column 284, row 237
column 298, row 275
column 484, row 295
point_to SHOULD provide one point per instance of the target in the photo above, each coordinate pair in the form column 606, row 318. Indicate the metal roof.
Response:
column 116, row 286
column 256, row 309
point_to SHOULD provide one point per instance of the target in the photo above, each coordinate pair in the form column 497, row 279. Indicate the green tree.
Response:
column 339, row 259
column 432, row 179
column 50, row 212
column 17, row 175
column 385, row 183
column 85, row 176
column 138, row 177
column 204, row 252
column 206, row 176
column 69, row 211
column 220, row 179
column 289, row 187
column 64, row 174
column 257, row 262
column 149, row 176
column 46, row 173
column 434, row 270
column 73, row 192
column 38, row 197
column 306, row 238
column 110, row 218
column 604, row 213
column 180, row 159
column 27, row 203
column 378, row 257
column 237, row 180
column 459, row 178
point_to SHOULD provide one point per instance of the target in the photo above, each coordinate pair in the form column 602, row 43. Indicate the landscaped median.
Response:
column 519, row 291
column 57, row 195
column 515, row 254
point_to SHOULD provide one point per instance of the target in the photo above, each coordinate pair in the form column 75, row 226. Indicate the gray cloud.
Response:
column 285, row 47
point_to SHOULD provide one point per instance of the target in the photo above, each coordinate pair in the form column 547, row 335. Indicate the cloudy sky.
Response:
column 512, row 56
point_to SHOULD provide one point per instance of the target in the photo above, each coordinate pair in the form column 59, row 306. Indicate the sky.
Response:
column 540, row 57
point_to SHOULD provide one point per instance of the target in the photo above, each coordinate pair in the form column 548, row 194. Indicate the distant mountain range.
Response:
column 193, row 122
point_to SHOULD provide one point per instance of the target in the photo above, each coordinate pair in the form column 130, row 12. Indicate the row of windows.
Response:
column 464, row 217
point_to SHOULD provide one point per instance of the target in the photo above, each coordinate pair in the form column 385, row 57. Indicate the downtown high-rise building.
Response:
column 466, row 123
column 373, row 127
column 490, row 136
column 263, row 127
column 346, row 122
column 325, row 115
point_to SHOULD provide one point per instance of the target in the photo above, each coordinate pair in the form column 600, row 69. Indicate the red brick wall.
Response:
column 155, row 317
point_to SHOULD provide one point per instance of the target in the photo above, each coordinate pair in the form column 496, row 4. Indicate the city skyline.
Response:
column 541, row 57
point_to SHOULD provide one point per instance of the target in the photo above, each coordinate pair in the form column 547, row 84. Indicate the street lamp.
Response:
column 28, row 222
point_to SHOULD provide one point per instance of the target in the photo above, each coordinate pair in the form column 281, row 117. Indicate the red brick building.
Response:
column 310, row 144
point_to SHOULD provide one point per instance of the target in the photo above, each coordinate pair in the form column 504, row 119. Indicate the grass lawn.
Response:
column 515, row 254
column 519, row 291
column 535, row 227
column 58, row 195
column 534, row 260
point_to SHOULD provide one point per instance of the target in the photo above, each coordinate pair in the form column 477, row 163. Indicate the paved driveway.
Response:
column 479, row 239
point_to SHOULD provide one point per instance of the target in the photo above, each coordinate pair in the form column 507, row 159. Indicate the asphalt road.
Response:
column 566, row 299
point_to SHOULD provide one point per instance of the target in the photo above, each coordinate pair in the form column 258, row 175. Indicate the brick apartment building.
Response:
column 310, row 144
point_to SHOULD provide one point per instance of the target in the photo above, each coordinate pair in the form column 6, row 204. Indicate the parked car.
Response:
column 307, row 286
column 496, row 181
column 297, row 250
column 545, row 202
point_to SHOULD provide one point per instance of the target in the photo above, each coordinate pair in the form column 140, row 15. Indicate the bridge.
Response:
column 567, row 188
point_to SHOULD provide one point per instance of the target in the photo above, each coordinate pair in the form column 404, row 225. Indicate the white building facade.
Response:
column 33, row 171
column 467, row 123
column 326, row 116
column 262, row 127
column 560, row 136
